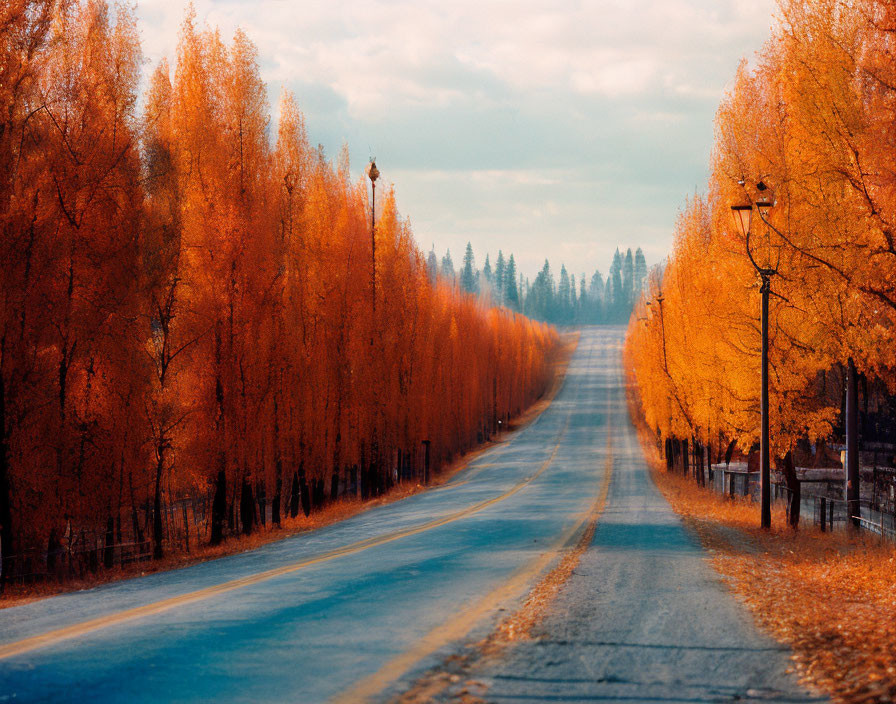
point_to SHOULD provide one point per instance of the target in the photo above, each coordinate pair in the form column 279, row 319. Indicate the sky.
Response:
column 557, row 130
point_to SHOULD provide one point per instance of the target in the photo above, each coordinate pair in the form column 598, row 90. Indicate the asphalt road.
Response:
column 361, row 608
column 643, row 618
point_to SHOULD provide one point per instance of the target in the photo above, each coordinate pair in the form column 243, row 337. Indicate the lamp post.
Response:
column 659, row 299
column 743, row 216
column 373, row 174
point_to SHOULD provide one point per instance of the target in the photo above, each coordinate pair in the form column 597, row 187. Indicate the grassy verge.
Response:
column 346, row 507
column 830, row 596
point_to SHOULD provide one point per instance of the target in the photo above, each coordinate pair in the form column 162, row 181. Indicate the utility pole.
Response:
column 764, row 455
column 659, row 299
column 852, row 443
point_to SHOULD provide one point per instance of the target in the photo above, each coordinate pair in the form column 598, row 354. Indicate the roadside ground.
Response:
column 831, row 597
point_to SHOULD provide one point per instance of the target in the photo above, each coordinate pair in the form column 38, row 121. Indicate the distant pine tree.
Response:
column 487, row 270
column 563, row 288
column 511, row 292
column 468, row 273
column 448, row 267
column 615, row 297
column 628, row 280
column 432, row 265
column 640, row 272
column 596, row 298
column 500, row 271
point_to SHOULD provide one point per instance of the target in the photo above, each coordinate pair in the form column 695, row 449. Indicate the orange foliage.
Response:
column 185, row 306
column 813, row 120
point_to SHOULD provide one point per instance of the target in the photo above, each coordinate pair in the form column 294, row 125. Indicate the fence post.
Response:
column 824, row 508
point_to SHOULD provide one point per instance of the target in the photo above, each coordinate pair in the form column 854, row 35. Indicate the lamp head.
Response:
column 743, row 217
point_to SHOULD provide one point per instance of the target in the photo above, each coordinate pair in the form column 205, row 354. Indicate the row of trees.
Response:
column 565, row 302
column 501, row 286
column 814, row 119
column 185, row 306
column 600, row 302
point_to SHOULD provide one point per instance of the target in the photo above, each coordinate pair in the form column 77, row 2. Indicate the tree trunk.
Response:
column 306, row 495
column 729, row 452
column 108, row 549
column 247, row 508
column 278, row 495
column 295, row 496
column 319, row 494
column 157, row 529
column 794, row 485
column 5, row 491
column 219, row 508
column 53, row 551
column 698, row 463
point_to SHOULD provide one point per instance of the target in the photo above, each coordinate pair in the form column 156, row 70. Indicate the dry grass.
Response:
column 346, row 507
column 830, row 596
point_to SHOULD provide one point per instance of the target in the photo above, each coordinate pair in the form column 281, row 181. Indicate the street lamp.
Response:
column 373, row 174
column 659, row 299
column 743, row 216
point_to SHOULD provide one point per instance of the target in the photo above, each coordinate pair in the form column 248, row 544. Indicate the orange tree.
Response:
column 811, row 120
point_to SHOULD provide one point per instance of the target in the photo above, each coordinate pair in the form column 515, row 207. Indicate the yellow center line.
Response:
column 79, row 629
column 457, row 627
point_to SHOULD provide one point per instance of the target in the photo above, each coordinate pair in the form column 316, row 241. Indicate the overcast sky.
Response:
column 549, row 129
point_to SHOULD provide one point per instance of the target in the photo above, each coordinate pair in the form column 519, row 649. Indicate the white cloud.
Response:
column 517, row 124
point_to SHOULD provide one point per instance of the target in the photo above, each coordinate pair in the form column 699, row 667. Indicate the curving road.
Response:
column 359, row 609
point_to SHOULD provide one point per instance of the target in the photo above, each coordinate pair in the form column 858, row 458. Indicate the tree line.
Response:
column 590, row 301
column 188, row 305
column 811, row 128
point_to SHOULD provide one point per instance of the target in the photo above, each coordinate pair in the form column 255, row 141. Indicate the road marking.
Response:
column 79, row 629
column 456, row 628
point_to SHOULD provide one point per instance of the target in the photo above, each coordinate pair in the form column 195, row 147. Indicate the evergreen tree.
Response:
column 615, row 302
column 540, row 301
column 596, row 298
column 563, row 311
column 447, row 267
column 628, row 280
column 511, row 292
column 640, row 271
column 487, row 270
column 432, row 265
column 468, row 274
column 500, row 270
